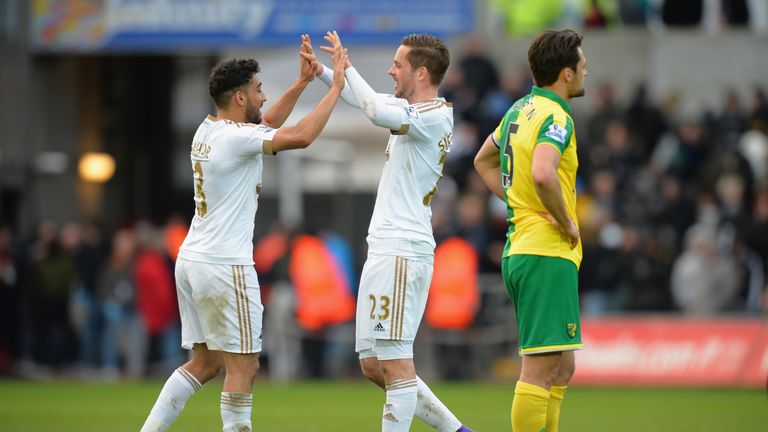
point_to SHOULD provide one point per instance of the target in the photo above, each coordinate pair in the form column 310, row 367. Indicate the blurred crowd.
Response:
column 673, row 209
column 673, row 212
column 527, row 17
column 77, row 298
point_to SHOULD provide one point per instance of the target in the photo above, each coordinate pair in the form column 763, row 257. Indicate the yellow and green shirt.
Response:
column 540, row 118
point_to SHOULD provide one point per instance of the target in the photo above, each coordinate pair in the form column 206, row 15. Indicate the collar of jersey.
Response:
column 538, row 91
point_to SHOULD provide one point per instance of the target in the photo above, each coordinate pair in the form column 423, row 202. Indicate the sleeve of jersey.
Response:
column 346, row 94
column 556, row 130
column 251, row 140
column 496, row 135
column 375, row 105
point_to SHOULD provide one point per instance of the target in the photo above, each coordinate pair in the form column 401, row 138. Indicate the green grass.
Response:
column 356, row 406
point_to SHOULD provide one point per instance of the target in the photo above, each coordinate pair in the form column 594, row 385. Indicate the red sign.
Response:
column 673, row 352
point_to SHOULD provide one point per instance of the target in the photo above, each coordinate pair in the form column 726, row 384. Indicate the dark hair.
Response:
column 428, row 51
column 552, row 51
column 228, row 76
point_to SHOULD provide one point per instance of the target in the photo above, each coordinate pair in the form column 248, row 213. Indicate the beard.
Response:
column 252, row 113
column 402, row 91
column 579, row 93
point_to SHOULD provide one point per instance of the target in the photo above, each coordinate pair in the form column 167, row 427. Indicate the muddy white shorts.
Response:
column 391, row 301
column 220, row 305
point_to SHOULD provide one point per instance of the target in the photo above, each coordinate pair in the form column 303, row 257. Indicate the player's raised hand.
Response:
column 306, row 47
column 339, row 57
column 308, row 63
column 334, row 39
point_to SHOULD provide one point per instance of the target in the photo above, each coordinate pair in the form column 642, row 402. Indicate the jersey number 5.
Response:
column 506, row 174
column 200, row 204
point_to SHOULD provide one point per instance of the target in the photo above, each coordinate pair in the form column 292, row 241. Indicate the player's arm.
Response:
column 546, row 159
column 280, row 110
column 325, row 75
column 308, row 128
column 488, row 165
column 374, row 105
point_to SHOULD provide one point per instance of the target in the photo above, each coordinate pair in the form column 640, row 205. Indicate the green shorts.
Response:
column 545, row 292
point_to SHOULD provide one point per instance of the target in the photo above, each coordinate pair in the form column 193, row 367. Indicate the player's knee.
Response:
column 397, row 369
column 212, row 369
column 245, row 372
column 566, row 372
column 372, row 373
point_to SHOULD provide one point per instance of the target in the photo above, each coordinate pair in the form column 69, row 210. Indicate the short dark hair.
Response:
column 428, row 51
column 228, row 76
column 552, row 51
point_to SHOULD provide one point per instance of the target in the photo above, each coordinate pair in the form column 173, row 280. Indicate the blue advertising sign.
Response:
column 159, row 25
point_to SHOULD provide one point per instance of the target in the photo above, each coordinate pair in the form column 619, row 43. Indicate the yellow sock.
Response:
column 529, row 408
column 556, row 395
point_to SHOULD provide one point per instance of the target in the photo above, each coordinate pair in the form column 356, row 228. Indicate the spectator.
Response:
column 123, row 334
column 9, row 316
column 89, row 260
column 478, row 71
column 682, row 14
column 704, row 281
column 759, row 109
column 156, row 300
column 645, row 120
column 53, row 276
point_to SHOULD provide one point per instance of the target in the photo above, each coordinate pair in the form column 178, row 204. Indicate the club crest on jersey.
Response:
column 411, row 112
column 571, row 329
column 557, row 133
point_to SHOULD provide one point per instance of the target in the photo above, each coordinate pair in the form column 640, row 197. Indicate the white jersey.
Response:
column 227, row 165
column 401, row 222
column 416, row 153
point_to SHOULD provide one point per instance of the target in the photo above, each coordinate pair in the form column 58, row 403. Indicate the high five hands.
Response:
column 339, row 57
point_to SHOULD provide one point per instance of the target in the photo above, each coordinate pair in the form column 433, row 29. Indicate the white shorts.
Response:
column 391, row 301
column 389, row 350
column 220, row 305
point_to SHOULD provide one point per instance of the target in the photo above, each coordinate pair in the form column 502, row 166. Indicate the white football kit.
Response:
column 218, row 290
column 394, row 284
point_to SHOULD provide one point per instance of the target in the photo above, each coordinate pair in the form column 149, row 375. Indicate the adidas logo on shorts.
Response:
column 379, row 328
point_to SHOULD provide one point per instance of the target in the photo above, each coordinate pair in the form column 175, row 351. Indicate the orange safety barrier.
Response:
column 453, row 295
column 323, row 294
column 175, row 233
column 269, row 250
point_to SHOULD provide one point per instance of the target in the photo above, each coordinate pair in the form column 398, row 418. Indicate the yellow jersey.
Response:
column 540, row 118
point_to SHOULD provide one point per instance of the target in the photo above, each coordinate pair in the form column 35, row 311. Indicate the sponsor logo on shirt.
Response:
column 557, row 133
column 379, row 328
column 411, row 112
column 263, row 128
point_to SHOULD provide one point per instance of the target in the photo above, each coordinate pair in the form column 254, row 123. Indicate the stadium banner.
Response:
column 164, row 25
column 673, row 352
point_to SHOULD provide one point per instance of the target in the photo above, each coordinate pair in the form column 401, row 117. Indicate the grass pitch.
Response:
column 356, row 406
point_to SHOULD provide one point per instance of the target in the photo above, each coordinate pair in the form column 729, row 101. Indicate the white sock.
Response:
column 433, row 412
column 179, row 387
column 236, row 411
column 400, row 406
